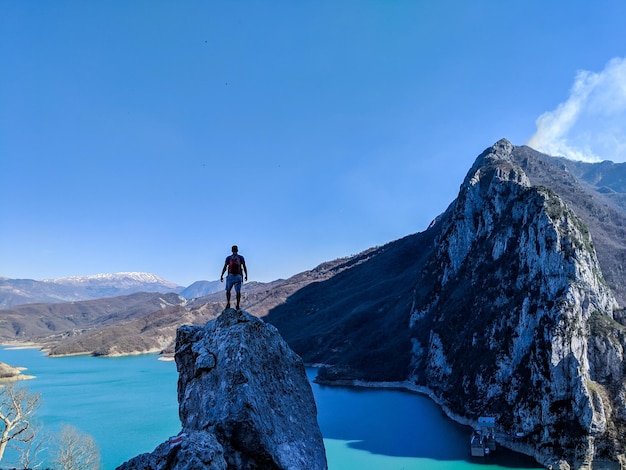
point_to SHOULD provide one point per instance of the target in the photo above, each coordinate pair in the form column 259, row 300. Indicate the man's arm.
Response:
column 245, row 270
column 223, row 271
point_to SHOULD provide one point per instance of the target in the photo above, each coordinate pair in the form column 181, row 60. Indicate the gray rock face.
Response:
column 245, row 402
column 520, row 323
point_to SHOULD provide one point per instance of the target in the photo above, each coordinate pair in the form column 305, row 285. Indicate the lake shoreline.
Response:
column 424, row 391
column 406, row 386
column 17, row 345
column 397, row 432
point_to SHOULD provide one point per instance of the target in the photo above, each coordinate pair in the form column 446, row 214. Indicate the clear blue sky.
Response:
column 152, row 135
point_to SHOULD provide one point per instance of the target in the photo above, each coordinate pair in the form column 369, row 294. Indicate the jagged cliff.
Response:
column 512, row 318
column 499, row 308
column 244, row 402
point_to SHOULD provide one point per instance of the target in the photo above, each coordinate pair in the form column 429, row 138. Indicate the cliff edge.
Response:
column 244, row 402
column 515, row 320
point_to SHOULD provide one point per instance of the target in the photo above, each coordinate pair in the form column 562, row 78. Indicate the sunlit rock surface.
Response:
column 245, row 402
column 519, row 323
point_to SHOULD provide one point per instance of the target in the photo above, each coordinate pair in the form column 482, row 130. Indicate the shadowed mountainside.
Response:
column 359, row 316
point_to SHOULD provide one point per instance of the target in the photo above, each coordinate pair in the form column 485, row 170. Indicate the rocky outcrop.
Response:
column 517, row 320
column 245, row 402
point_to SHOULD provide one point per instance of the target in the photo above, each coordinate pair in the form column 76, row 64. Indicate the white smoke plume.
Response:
column 591, row 125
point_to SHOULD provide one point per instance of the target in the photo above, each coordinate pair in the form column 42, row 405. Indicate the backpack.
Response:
column 234, row 265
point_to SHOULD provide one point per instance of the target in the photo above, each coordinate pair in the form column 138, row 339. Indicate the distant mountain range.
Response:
column 201, row 288
column 76, row 288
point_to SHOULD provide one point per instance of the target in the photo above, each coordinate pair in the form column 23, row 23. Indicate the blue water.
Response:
column 129, row 406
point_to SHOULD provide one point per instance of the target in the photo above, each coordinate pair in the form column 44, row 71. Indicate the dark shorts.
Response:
column 234, row 280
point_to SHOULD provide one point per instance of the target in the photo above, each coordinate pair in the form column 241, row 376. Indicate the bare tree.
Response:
column 17, row 406
column 31, row 451
column 76, row 451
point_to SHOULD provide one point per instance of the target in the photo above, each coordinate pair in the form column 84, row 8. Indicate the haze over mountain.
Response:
column 510, row 303
column 201, row 288
column 68, row 289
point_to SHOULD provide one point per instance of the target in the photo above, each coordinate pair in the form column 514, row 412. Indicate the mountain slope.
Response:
column 515, row 319
column 46, row 322
column 507, row 309
column 357, row 319
column 139, row 322
column 596, row 192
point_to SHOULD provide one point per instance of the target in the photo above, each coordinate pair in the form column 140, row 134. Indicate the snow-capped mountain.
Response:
column 122, row 279
column 22, row 291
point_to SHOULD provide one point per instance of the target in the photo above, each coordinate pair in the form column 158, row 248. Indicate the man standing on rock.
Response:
column 236, row 266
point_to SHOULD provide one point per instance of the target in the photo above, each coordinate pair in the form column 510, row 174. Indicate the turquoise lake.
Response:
column 129, row 405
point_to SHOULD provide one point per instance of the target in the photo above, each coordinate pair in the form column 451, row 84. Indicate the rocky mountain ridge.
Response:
column 201, row 289
column 121, row 279
column 516, row 319
column 596, row 192
column 507, row 306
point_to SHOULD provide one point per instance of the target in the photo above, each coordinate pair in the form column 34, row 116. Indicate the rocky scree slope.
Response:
column 513, row 318
column 244, row 402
